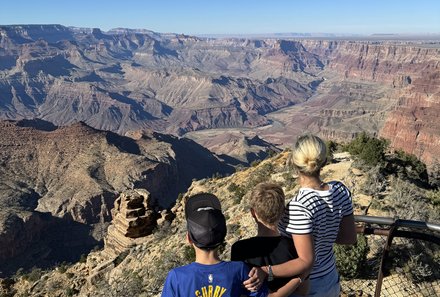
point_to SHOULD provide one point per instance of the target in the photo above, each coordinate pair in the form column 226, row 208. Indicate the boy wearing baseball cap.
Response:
column 208, row 275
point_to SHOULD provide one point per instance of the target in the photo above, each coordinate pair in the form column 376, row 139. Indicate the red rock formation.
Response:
column 413, row 71
column 133, row 218
column 414, row 125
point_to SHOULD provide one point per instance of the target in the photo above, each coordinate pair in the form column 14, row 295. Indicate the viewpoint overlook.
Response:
column 96, row 126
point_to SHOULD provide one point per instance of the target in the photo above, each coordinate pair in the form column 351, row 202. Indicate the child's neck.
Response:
column 263, row 230
column 206, row 257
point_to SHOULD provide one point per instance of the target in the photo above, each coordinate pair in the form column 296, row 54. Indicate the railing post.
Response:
column 386, row 250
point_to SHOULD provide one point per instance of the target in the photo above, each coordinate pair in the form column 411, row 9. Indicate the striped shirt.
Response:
column 318, row 213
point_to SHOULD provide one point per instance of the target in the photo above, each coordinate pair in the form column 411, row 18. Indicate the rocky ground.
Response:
column 138, row 266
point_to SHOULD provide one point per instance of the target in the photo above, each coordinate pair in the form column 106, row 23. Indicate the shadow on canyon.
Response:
column 60, row 240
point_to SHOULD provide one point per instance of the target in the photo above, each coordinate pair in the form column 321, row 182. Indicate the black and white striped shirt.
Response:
column 318, row 213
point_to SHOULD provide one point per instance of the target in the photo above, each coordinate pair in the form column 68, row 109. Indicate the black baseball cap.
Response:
column 205, row 221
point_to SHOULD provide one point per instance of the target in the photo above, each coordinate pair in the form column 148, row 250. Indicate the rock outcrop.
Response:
column 235, row 147
column 134, row 218
column 56, row 181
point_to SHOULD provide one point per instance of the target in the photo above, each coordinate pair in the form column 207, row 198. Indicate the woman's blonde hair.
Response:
column 309, row 154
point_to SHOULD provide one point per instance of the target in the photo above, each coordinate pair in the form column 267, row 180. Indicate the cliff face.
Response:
column 133, row 218
column 125, row 80
column 410, row 75
column 56, row 181
column 377, row 61
column 413, row 125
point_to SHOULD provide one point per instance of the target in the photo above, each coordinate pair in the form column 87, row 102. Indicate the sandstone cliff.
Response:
column 125, row 80
column 411, row 71
column 58, row 185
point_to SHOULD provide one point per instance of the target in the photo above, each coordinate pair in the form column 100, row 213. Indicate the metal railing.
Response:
column 403, row 259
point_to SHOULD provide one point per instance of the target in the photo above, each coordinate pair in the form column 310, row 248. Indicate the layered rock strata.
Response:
column 133, row 218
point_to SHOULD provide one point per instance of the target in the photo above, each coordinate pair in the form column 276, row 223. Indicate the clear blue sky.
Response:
column 233, row 17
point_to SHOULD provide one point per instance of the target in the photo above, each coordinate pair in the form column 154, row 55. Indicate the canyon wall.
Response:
column 412, row 74
column 58, row 184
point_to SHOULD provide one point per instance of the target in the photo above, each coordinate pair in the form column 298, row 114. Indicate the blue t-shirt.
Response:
column 224, row 279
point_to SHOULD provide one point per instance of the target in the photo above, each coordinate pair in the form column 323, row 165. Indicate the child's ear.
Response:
column 253, row 213
column 188, row 239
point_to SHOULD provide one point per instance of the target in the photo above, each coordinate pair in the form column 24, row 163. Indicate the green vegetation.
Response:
column 332, row 146
column 34, row 275
column 238, row 192
column 289, row 180
column 434, row 174
column 418, row 260
column 71, row 292
column 83, row 258
column 121, row 257
column 62, row 268
column 189, row 254
column 351, row 259
column 369, row 150
column 375, row 182
column 158, row 272
column 408, row 166
column 261, row 174
column 434, row 197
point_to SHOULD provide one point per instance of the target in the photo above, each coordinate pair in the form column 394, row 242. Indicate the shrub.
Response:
column 411, row 166
column 434, row 174
column 71, row 292
column 238, row 192
column 407, row 201
column 370, row 150
column 157, row 273
column 121, row 257
column 434, row 197
column 162, row 231
column 62, row 267
column 351, row 259
column 255, row 163
column 289, row 181
column 83, row 258
column 34, row 275
column 331, row 148
column 375, row 182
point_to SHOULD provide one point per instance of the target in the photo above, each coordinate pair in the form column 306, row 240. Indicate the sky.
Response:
column 233, row 16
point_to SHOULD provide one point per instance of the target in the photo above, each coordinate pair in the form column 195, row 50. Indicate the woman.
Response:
column 320, row 215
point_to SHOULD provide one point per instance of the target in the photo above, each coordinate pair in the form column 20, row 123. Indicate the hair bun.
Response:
column 312, row 165
column 309, row 154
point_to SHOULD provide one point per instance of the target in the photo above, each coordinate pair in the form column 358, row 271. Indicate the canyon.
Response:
column 124, row 80
column 59, row 184
column 86, row 115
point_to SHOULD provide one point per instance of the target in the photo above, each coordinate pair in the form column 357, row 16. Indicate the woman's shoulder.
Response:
column 337, row 185
column 304, row 197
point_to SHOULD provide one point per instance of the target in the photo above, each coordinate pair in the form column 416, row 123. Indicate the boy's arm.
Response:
column 299, row 266
column 347, row 231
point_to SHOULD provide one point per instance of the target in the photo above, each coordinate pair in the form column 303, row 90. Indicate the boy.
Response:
column 268, row 247
column 208, row 276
